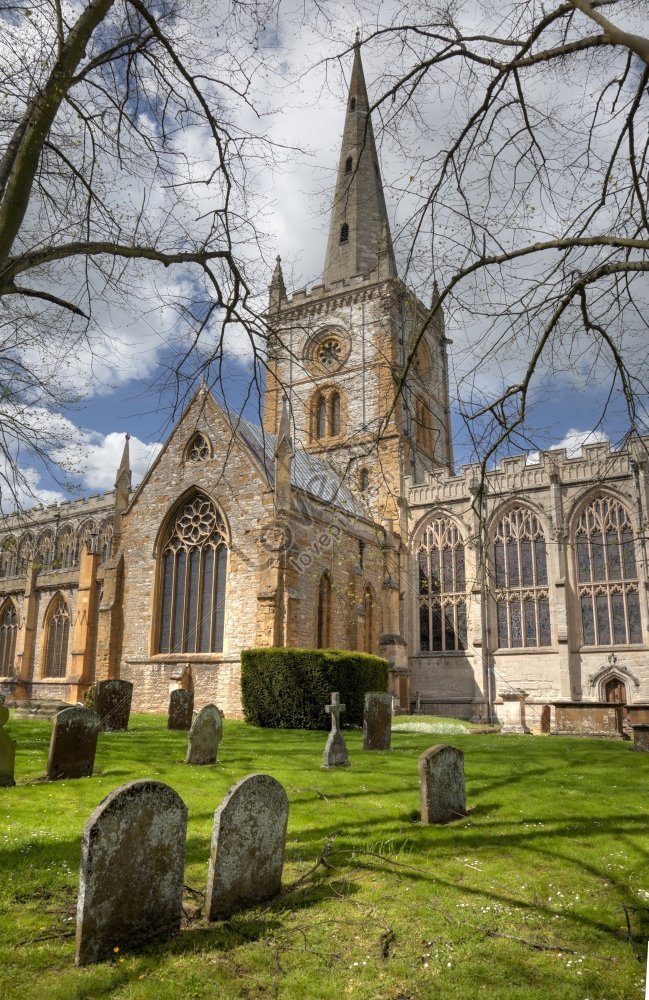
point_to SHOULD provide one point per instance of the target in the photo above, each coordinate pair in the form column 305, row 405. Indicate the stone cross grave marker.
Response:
column 335, row 752
column 248, row 841
column 181, row 709
column 132, row 870
column 205, row 736
column 7, row 751
column 73, row 743
column 377, row 721
column 441, row 784
column 113, row 704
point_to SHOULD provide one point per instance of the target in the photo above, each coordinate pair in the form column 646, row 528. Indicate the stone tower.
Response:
column 344, row 353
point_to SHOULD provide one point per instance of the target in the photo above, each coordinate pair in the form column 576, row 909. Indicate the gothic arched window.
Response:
column 8, row 633
column 194, row 568
column 442, row 589
column 198, row 449
column 57, row 634
column 324, row 612
column 321, row 418
column 84, row 538
column 334, row 420
column 105, row 541
column 521, row 578
column 368, row 612
column 8, row 556
column 45, row 550
column 66, row 548
column 25, row 551
column 607, row 575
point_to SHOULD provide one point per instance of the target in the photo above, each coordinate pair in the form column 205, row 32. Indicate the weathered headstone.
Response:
column 442, row 790
column 113, row 704
column 132, row 870
column 73, row 743
column 377, row 721
column 205, row 736
column 7, row 752
column 641, row 736
column 247, row 852
column 181, row 709
column 335, row 752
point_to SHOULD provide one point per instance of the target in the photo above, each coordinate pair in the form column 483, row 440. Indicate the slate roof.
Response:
column 308, row 472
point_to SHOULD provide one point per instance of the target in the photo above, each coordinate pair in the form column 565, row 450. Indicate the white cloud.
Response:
column 102, row 455
column 573, row 442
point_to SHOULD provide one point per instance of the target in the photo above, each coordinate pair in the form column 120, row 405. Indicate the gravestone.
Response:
column 7, row 752
column 113, row 704
column 132, row 870
column 512, row 711
column 205, row 736
column 181, row 709
column 641, row 736
column 377, row 721
column 73, row 743
column 442, row 791
column 335, row 752
column 247, row 852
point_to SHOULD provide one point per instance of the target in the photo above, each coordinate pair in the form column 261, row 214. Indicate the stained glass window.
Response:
column 8, row 556
column 442, row 589
column 607, row 575
column 521, row 576
column 194, row 565
column 66, row 549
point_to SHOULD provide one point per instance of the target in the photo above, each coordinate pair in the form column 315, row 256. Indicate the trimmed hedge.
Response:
column 289, row 688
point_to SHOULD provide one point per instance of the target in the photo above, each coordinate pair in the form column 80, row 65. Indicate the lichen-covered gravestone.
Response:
column 181, row 709
column 132, row 870
column 7, row 752
column 377, row 721
column 248, row 841
column 205, row 736
column 112, row 704
column 73, row 744
column 335, row 751
column 441, row 784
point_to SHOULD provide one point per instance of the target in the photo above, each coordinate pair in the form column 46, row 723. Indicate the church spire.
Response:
column 124, row 471
column 359, row 219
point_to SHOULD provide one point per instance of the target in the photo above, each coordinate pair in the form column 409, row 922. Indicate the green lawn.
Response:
column 542, row 891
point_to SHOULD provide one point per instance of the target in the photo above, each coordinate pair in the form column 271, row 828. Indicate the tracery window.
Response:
column 8, row 634
column 607, row 575
column 25, row 551
column 199, row 449
column 8, row 556
column 521, row 580
column 84, row 538
column 324, row 612
column 105, row 541
column 368, row 611
column 57, row 632
column 45, row 550
column 442, row 589
column 66, row 549
column 194, row 568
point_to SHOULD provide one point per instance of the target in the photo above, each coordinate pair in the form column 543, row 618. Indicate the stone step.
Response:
column 38, row 709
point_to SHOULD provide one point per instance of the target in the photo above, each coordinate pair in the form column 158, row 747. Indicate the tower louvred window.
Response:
column 194, row 567
column 348, row 165
column 344, row 233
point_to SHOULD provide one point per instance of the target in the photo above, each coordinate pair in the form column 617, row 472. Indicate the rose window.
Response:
column 330, row 352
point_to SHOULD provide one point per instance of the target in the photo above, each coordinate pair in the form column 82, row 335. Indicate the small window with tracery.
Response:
column 199, row 449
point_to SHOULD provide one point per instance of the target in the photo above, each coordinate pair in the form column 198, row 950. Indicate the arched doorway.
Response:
column 615, row 694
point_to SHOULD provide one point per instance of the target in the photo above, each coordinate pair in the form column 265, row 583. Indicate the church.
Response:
column 341, row 521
